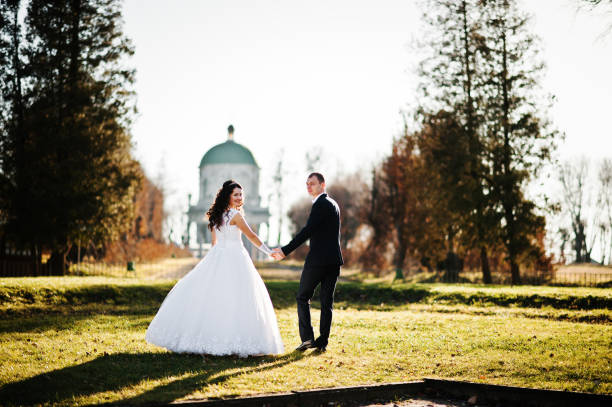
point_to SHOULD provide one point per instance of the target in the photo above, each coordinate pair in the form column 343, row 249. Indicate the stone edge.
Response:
column 428, row 387
column 520, row 396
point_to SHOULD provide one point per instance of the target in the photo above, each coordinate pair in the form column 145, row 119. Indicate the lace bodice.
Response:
column 226, row 233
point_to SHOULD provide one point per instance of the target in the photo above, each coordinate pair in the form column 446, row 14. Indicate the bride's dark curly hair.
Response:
column 221, row 204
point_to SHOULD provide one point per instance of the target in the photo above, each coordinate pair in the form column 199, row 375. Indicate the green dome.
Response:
column 229, row 152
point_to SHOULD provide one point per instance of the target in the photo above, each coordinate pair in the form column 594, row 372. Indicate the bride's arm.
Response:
column 244, row 227
column 214, row 237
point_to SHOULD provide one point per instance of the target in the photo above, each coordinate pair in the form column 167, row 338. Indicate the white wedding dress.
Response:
column 220, row 307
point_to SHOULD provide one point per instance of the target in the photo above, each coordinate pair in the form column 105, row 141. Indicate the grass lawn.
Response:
column 80, row 340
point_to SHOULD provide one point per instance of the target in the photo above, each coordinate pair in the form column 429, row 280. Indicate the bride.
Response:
column 221, row 306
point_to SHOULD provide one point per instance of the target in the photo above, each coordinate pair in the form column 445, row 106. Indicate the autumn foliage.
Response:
column 144, row 241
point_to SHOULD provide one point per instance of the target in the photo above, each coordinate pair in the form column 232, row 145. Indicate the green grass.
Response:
column 80, row 340
column 79, row 290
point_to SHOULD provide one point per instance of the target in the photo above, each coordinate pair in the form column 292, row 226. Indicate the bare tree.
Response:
column 604, row 205
column 595, row 3
column 564, row 235
column 603, row 6
column 574, row 178
column 278, row 179
column 313, row 158
column 350, row 192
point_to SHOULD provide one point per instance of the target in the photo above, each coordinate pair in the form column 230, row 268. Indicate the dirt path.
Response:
column 172, row 268
column 177, row 268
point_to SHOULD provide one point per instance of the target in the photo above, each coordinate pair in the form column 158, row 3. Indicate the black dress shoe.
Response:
column 320, row 349
column 305, row 345
column 319, row 345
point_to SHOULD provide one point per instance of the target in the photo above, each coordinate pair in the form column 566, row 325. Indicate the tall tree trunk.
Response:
column 280, row 228
column 452, row 266
column 484, row 266
column 57, row 262
column 451, row 263
column 580, row 242
column 515, row 270
column 17, row 70
column 400, row 258
column 475, row 148
column 75, row 48
column 35, row 261
column 468, row 71
column 507, row 183
column 18, row 125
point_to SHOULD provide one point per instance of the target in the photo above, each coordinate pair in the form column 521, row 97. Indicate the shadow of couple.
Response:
column 112, row 373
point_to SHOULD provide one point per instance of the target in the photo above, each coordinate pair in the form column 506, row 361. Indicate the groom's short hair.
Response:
column 318, row 176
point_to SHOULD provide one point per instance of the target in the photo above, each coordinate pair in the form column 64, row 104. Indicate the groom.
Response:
column 322, row 265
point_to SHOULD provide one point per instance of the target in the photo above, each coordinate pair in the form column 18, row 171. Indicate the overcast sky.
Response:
column 336, row 74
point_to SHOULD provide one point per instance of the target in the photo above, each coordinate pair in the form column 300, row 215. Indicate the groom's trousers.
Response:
column 312, row 276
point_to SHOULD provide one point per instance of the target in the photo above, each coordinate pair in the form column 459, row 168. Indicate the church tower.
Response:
column 228, row 160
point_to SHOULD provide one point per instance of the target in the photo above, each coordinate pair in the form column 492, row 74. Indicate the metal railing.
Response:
column 587, row 278
column 163, row 268
column 175, row 268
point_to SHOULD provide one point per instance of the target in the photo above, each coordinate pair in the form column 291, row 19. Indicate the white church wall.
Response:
column 212, row 177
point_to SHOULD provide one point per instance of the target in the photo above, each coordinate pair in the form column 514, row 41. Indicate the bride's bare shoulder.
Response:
column 234, row 216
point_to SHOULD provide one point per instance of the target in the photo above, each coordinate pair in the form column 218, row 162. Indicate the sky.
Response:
column 292, row 76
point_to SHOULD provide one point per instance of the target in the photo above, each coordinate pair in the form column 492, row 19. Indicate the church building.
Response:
column 228, row 160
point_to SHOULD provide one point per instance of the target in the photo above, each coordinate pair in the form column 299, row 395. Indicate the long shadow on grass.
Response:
column 62, row 317
column 111, row 373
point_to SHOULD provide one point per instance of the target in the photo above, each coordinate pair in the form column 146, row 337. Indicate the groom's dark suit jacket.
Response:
column 323, row 230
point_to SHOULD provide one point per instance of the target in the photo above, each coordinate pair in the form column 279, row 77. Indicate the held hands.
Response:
column 277, row 254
